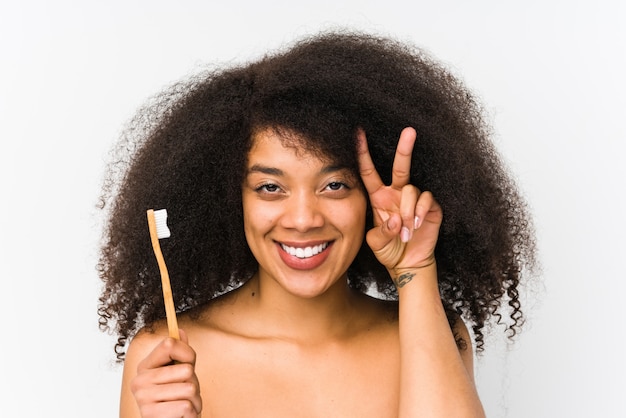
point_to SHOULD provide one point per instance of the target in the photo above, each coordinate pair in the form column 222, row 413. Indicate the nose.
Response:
column 302, row 212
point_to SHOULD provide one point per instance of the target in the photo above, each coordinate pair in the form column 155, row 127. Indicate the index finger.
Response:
column 167, row 351
column 367, row 170
column 401, row 171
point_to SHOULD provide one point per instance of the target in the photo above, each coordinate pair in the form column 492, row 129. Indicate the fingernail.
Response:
column 416, row 222
column 405, row 234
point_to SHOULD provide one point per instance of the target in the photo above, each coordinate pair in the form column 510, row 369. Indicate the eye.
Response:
column 337, row 185
column 268, row 188
column 338, row 189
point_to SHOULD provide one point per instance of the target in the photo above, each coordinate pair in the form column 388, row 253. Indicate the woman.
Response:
column 337, row 213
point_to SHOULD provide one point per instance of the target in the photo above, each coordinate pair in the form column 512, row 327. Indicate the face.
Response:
column 304, row 218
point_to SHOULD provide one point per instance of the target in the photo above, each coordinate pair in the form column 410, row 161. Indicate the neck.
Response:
column 284, row 315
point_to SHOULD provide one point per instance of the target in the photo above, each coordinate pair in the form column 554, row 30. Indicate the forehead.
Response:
column 269, row 143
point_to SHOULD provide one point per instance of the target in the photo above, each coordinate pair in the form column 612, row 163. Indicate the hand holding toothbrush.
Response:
column 166, row 384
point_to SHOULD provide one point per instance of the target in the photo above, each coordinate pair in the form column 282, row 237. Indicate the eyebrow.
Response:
column 258, row 168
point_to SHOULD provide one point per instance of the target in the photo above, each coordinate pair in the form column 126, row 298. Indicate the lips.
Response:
column 305, row 256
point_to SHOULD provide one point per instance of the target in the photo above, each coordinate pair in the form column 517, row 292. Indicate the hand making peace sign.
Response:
column 406, row 220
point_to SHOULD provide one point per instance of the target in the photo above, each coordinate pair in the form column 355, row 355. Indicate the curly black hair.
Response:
column 186, row 151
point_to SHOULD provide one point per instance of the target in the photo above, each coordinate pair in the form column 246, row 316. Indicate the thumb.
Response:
column 384, row 240
column 380, row 236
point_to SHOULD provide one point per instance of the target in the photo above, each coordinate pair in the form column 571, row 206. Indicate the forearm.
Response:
column 434, row 380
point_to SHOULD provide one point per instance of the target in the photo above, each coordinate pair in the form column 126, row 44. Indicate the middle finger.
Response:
column 401, row 170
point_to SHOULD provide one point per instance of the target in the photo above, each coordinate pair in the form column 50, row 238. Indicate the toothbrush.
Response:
column 157, row 223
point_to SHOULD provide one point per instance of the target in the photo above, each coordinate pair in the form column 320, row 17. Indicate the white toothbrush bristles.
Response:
column 160, row 218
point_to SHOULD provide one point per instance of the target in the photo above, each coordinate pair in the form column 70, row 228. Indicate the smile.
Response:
column 304, row 252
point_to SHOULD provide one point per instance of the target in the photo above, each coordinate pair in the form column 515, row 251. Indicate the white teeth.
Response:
column 305, row 252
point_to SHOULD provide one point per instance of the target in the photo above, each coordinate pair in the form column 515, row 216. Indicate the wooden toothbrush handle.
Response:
column 170, row 311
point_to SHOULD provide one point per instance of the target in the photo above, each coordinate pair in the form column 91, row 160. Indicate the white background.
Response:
column 551, row 76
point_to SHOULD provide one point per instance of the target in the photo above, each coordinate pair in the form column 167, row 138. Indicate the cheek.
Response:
column 257, row 217
column 353, row 215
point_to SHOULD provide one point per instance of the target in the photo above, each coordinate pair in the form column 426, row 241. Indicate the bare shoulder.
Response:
column 149, row 334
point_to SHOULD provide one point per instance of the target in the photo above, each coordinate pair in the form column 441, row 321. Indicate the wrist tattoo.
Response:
column 403, row 279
